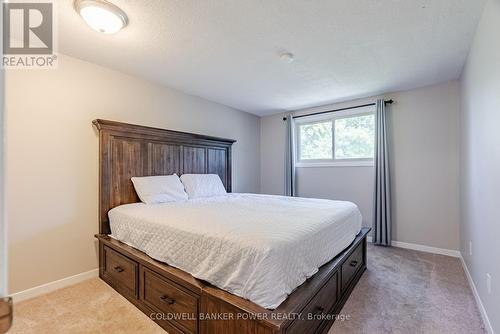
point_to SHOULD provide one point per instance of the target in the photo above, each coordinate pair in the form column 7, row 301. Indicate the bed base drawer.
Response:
column 169, row 300
column 120, row 272
column 318, row 309
column 352, row 264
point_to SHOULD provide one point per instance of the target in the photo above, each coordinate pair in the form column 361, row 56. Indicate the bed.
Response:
column 237, row 263
column 258, row 247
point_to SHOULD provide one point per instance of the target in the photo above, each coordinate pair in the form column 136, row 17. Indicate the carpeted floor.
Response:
column 405, row 291
column 402, row 291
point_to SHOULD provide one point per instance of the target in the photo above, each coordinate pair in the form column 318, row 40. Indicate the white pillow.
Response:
column 159, row 189
column 203, row 185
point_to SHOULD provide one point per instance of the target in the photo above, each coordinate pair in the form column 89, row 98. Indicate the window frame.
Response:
column 357, row 162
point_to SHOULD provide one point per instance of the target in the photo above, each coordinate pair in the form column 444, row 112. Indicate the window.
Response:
column 345, row 138
column 316, row 141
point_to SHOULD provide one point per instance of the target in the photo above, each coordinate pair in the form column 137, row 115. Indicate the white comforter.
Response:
column 259, row 247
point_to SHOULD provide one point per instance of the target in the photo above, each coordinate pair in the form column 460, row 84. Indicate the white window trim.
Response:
column 307, row 163
column 337, row 163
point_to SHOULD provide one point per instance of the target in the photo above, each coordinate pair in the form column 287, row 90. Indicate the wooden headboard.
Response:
column 127, row 150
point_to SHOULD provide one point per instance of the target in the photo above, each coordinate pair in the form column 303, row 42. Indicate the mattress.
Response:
column 259, row 247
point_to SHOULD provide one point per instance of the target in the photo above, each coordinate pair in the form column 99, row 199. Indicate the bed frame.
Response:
column 174, row 299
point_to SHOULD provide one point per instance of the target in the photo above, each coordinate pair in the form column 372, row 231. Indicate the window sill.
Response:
column 335, row 164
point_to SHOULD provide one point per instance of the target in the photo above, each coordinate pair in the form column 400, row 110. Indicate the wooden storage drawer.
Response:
column 120, row 271
column 317, row 310
column 351, row 266
column 174, row 302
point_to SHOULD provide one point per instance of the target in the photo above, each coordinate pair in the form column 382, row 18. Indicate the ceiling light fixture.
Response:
column 101, row 15
column 287, row 57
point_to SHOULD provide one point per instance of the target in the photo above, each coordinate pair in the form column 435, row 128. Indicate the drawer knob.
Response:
column 167, row 300
column 319, row 310
column 353, row 263
column 118, row 269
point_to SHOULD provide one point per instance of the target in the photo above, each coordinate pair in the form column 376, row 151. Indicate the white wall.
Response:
column 480, row 160
column 52, row 157
column 353, row 184
column 424, row 139
column 424, row 144
column 272, row 154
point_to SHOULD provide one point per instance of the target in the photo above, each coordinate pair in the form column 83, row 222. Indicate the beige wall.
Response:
column 480, row 161
column 3, row 231
column 52, row 162
column 3, row 234
column 424, row 129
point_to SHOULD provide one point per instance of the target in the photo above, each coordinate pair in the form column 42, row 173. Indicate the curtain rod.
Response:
column 341, row 109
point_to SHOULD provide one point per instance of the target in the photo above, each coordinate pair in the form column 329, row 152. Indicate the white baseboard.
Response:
column 52, row 286
column 423, row 248
column 482, row 310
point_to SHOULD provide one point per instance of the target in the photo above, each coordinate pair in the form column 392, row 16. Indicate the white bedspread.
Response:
column 259, row 247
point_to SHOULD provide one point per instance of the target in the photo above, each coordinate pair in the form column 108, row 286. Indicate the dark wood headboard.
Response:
column 127, row 150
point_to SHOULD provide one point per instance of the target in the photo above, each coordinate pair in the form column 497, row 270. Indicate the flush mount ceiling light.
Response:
column 287, row 57
column 101, row 15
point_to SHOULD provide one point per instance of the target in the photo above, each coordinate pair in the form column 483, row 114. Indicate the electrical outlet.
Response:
column 470, row 247
column 488, row 283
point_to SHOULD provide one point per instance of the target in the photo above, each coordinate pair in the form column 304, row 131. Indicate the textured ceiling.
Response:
column 228, row 50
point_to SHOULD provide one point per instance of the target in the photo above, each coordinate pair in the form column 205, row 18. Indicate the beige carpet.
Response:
column 405, row 291
column 401, row 292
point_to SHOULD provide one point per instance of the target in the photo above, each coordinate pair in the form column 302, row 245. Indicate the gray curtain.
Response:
column 289, row 158
column 382, row 196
